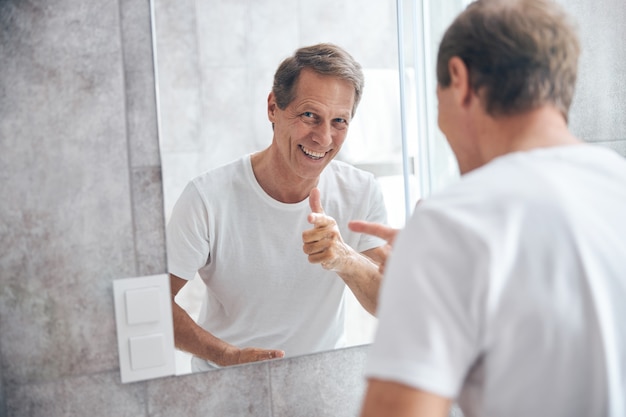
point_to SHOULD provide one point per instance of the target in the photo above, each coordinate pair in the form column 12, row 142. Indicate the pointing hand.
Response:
column 323, row 243
column 379, row 230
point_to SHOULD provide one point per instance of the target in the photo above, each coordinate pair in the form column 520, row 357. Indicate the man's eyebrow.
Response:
column 314, row 108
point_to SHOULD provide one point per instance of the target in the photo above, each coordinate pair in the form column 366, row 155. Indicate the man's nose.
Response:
column 322, row 134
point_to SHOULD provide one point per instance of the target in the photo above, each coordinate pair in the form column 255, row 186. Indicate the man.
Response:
column 505, row 292
column 243, row 227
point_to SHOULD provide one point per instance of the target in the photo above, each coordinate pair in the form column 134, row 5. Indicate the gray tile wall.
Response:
column 598, row 113
column 82, row 205
column 82, row 201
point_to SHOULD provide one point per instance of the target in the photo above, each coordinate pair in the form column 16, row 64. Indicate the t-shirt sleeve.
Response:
column 187, row 235
column 429, row 314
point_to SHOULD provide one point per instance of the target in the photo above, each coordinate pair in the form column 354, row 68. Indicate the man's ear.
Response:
column 459, row 81
column 271, row 107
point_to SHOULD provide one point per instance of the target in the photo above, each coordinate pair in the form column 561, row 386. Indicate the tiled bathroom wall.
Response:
column 81, row 205
column 598, row 113
column 81, row 198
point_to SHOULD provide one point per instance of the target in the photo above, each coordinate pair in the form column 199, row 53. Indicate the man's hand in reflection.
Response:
column 323, row 243
column 235, row 356
column 379, row 230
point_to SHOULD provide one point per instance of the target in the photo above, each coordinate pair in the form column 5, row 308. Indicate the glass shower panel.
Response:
column 421, row 24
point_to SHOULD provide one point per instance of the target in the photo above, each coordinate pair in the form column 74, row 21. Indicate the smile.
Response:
column 312, row 154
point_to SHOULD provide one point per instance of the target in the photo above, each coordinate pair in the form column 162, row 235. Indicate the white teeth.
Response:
column 313, row 154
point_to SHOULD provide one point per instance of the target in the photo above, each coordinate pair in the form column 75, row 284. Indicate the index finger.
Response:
column 375, row 229
column 320, row 220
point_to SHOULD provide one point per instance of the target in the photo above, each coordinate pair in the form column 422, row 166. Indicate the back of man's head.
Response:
column 521, row 54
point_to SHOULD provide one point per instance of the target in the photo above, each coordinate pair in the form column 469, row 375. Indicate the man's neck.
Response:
column 540, row 128
column 276, row 183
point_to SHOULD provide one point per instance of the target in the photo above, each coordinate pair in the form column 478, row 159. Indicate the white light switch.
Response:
column 147, row 351
column 143, row 306
column 145, row 332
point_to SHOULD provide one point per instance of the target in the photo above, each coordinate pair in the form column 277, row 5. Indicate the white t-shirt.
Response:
column 247, row 248
column 508, row 290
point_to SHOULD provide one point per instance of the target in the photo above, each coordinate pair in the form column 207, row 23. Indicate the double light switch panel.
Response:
column 145, row 332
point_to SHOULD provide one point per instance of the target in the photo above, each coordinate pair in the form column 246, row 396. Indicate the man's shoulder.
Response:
column 346, row 171
column 224, row 172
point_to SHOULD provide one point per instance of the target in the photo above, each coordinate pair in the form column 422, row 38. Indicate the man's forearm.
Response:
column 363, row 278
column 192, row 338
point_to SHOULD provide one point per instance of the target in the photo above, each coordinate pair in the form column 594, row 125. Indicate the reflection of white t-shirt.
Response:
column 508, row 290
column 247, row 248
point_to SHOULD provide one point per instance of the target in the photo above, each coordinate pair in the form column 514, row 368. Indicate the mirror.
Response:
column 215, row 61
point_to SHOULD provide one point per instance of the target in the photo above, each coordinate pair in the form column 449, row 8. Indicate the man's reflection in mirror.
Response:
column 267, row 233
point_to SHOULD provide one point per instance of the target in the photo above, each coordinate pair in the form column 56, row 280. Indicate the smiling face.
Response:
column 310, row 131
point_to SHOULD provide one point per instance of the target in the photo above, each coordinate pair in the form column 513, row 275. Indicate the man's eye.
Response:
column 340, row 124
column 308, row 114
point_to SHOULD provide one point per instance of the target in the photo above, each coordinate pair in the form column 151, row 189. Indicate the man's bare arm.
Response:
column 192, row 338
column 323, row 244
column 392, row 399
column 381, row 231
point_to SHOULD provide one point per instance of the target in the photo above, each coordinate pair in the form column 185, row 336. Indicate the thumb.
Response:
column 315, row 201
